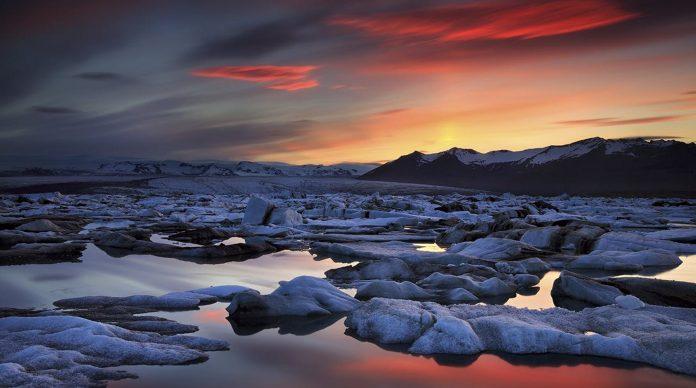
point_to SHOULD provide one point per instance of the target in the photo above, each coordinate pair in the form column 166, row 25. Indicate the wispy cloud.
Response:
column 288, row 78
column 391, row 112
column 99, row 76
column 491, row 20
column 293, row 85
column 611, row 121
column 53, row 109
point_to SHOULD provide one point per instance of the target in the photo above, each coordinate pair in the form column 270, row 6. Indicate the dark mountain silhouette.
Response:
column 593, row 166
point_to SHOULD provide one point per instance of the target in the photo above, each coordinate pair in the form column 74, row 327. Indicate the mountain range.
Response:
column 591, row 166
column 217, row 168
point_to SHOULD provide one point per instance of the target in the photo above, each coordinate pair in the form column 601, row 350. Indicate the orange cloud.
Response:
column 288, row 78
column 390, row 112
column 294, row 85
column 491, row 20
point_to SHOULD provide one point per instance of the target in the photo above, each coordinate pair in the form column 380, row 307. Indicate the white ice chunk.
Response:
column 301, row 296
column 257, row 211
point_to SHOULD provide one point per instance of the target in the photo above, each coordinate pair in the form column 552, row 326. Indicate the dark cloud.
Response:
column 24, row 67
column 53, row 109
column 145, row 130
column 611, row 121
column 304, row 25
column 100, row 76
column 255, row 41
column 40, row 38
column 252, row 134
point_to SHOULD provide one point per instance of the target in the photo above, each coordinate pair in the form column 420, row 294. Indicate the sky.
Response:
column 308, row 81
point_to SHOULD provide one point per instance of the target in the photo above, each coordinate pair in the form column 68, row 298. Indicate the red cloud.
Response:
column 289, row 78
column 491, row 20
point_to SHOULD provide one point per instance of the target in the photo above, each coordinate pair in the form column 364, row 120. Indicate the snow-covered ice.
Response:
column 660, row 336
column 58, row 350
column 433, row 252
column 302, row 296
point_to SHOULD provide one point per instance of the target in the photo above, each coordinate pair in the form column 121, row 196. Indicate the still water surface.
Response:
column 325, row 357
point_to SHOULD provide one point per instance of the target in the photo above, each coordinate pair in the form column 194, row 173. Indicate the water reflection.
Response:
column 429, row 247
column 307, row 352
column 542, row 298
column 100, row 274
column 233, row 240
column 162, row 239
column 330, row 357
column 685, row 272
column 285, row 325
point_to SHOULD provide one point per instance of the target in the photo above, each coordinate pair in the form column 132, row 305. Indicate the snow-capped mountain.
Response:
column 162, row 168
column 546, row 154
column 244, row 168
column 596, row 165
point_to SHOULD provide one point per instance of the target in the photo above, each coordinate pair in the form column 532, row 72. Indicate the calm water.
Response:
column 327, row 356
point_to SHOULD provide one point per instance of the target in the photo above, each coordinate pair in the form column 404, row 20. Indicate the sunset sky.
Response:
column 306, row 81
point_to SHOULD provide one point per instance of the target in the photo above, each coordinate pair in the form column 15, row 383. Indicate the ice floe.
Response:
column 301, row 296
column 59, row 350
column 660, row 336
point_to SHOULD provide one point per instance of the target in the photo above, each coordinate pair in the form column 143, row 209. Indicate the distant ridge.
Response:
column 594, row 166
column 177, row 168
column 244, row 168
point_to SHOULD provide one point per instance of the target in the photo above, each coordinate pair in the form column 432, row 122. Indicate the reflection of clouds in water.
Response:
column 327, row 356
column 217, row 315
column 55, row 277
column 685, row 272
column 233, row 240
column 162, row 239
column 330, row 357
column 101, row 274
column 429, row 247
column 487, row 369
column 539, row 300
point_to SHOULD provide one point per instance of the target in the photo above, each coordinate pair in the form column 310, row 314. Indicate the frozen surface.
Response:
column 64, row 350
column 372, row 238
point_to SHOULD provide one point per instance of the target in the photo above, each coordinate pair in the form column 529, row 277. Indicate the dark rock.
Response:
column 662, row 203
column 10, row 238
column 656, row 291
column 543, row 205
column 41, row 253
column 452, row 207
column 206, row 254
column 579, row 288
column 202, row 236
